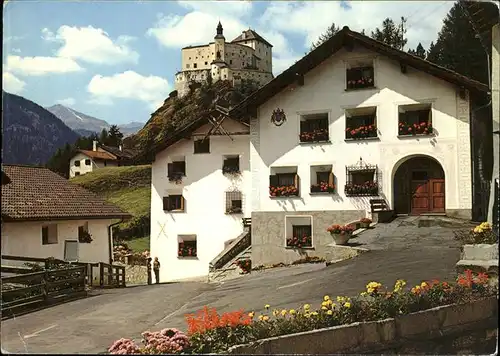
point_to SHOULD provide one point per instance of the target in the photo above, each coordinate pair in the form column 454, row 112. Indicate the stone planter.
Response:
column 341, row 239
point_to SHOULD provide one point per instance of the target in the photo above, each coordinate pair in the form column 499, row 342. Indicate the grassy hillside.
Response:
column 127, row 187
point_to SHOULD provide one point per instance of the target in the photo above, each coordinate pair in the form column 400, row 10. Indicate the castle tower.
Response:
column 220, row 41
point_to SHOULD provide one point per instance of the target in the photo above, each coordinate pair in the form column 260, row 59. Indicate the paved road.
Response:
column 398, row 250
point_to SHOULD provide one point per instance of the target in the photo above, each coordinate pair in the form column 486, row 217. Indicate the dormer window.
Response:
column 360, row 75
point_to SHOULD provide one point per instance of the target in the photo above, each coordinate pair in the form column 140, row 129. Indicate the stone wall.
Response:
column 269, row 239
column 453, row 329
column 135, row 274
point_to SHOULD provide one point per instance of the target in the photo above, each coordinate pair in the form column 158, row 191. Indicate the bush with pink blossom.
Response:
column 166, row 341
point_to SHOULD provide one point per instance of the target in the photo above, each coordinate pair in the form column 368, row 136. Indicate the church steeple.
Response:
column 219, row 31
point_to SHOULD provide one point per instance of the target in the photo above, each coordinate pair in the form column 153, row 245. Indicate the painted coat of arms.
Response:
column 278, row 117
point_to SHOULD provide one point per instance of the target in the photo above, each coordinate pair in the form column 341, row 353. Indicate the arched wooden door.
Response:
column 419, row 187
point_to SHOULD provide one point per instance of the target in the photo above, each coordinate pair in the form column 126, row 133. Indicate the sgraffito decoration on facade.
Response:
column 278, row 117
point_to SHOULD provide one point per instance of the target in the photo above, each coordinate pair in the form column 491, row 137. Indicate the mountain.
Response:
column 31, row 134
column 77, row 120
column 85, row 124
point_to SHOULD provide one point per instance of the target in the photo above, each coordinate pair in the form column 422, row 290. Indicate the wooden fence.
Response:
column 111, row 275
column 37, row 289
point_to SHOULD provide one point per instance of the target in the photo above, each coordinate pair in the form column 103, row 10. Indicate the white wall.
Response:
column 83, row 168
column 203, row 189
column 324, row 91
column 25, row 239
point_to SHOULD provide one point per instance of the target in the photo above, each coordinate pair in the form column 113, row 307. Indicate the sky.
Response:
column 116, row 60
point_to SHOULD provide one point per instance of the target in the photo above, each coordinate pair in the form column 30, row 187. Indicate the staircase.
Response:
column 380, row 211
column 224, row 265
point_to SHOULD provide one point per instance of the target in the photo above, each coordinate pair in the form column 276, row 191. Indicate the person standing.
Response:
column 150, row 277
column 156, row 269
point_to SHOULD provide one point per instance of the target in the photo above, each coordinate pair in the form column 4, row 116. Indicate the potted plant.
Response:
column 175, row 178
column 340, row 233
column 84, row 237
column 365, row 223
column 244, row 265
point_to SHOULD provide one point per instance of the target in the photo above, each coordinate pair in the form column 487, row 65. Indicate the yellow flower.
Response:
column 265, row 318
column 251, row 314
column 267, row 306
column 330, row 302
column 347, row 305
column 340, row 299
column 292, row 311
column 314, row 313
column 326, row 298
column 276, row 312
column 283, row 312
column 400, row 283
column 333, row 305
column 423, row 285
column 324, row 304
column 363, row 294
column 307, row 307
column 324, row 308
column 261, row 317
column 329, row 312
column 307, row 315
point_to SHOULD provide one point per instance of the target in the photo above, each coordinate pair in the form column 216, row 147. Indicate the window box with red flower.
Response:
column 320, row 135
column 362, row 180
column 358, row 190
column 360, row 78
column 361, row 123
column 323, row 187
column 284, row 185
column 415, row 120
column 187, row 249
column 302, row 237
column 314, row 128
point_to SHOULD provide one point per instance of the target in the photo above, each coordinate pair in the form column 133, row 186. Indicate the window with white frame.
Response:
column 298, row 231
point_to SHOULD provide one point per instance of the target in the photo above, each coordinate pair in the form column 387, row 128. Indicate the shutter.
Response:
column 183, row 167
column 273, row 180
column 71, row 250
column 166, row 203
column 182, row 203
column 296, row 181
column 170, row 170
column 330, row 178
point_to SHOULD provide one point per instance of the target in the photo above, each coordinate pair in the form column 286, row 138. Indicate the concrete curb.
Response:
column 367, row 337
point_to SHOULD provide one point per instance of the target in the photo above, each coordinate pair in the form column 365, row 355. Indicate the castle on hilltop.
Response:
column 248, row 56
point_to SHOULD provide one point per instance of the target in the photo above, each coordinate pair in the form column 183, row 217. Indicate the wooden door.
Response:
column 420, row 198
column 437, row 198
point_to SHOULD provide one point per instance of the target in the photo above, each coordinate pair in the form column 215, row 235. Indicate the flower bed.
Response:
column 323, row 187
column 361, row 132
column 314, row 136
column 299, row 242
column 283, row 191
column 366, row 189
column 210, row 332
column 422, row 128
column 244, row 265
column 481, row 234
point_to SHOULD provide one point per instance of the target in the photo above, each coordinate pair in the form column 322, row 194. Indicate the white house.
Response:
column 86, row 161
column 352, row 123
column 372, row 121
column 198, row 197
column 44, row 215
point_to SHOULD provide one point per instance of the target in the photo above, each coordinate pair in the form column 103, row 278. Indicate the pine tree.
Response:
column 115, row 137
column 458, row 48
column 419, row 51
column 391, row 34
column 330, row 32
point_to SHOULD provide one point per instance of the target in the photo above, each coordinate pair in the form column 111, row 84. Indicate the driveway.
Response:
column 400, row 249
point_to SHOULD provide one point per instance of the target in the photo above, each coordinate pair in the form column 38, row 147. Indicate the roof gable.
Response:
column 251, row 35
column 346, row 37
column 36, row 193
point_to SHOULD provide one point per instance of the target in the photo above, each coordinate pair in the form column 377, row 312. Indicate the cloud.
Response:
column 232, row 8
column 128, row 85
column 66, row 102
column 92, row 45
column 37, row 66
column 11, row 83
column 15, row 50
column 424, row 18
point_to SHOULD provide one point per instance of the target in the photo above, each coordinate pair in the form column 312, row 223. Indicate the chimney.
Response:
column 94, row 146
column 243, row 35
column 120, row 148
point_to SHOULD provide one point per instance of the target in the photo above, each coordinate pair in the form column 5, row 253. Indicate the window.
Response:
column 202, row 146
column 206, row 63
column 77, row 163
column 105, row 163
column 234, row 203
column 361, row 123
column 284, row 184
column 322, row 179
column 49, row 234
column 87, row 162
column 174, row 203
column 314, row 128
column 362, row 180
column 231, row 165
column 415, row 120
column 195, row 65
column 360, row 77
column 230, row 61
column 77, row 173
column 298, row 231
column 187, row 246
column 176, row 170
